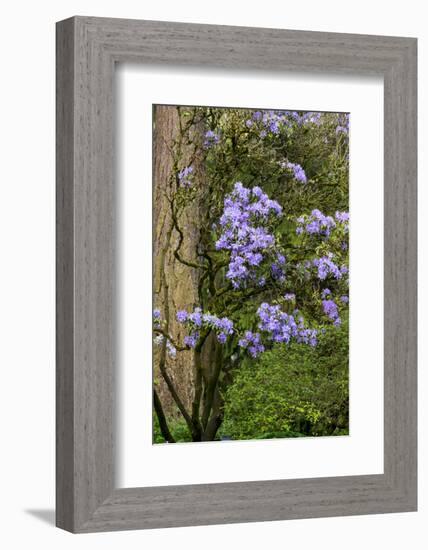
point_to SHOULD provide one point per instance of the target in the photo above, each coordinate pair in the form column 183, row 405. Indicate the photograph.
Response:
column 250, row 273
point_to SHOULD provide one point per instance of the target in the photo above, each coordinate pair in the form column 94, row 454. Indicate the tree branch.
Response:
column 211, row 387
column 172, row 389
column 168, row 337
column 162, row 419
column 180, row 242
column 197, row 428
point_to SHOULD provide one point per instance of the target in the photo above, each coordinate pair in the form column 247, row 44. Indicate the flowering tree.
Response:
column 270, row 256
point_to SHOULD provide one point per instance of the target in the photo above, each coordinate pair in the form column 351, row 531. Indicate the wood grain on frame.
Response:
column 87, row 50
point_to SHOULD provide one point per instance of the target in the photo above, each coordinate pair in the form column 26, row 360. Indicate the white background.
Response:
column 362, row 451
column 27, row 274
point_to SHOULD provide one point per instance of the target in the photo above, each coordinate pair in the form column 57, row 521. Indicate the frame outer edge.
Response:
column 94, row 275
column 401, row 265
column 65, row 274
column 86, row 498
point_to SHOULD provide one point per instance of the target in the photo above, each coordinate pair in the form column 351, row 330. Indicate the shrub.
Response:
column 292, row 391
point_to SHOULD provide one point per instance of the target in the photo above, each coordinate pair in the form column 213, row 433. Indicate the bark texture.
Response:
column 175, row 284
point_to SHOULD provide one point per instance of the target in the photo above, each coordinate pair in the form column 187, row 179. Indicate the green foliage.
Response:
column 242, row 155
column 178, row 428
column 291, row 391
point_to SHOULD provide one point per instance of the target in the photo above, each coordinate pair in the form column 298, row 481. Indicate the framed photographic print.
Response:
column 236, row 274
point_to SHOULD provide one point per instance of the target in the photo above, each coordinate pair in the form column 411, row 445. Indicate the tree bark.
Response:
column 175, row 285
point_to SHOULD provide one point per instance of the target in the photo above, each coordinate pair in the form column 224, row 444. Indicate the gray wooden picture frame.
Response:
column 87, row 50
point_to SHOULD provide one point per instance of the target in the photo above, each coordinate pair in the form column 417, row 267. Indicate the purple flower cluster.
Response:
column 277, row 268
column 252, row 342
column 343, row 218
column 308, row 117
column 326, row 267
column 182, row 316
column 271, row 122
column 326, row 292
column 191, row 340
column 282, row 327
column 331, row 310
column 196, row 320
column 298, row 172
column 246, row 212
column 185, row 176
column 307, row 335
column 156, row 318
column 211, row 138
column 170, row 348
column 343, row 125
column 315, row 224
column 290, row 297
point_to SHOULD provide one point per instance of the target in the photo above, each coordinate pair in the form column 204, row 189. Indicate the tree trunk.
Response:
column 175, row 285
column 194, row 374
